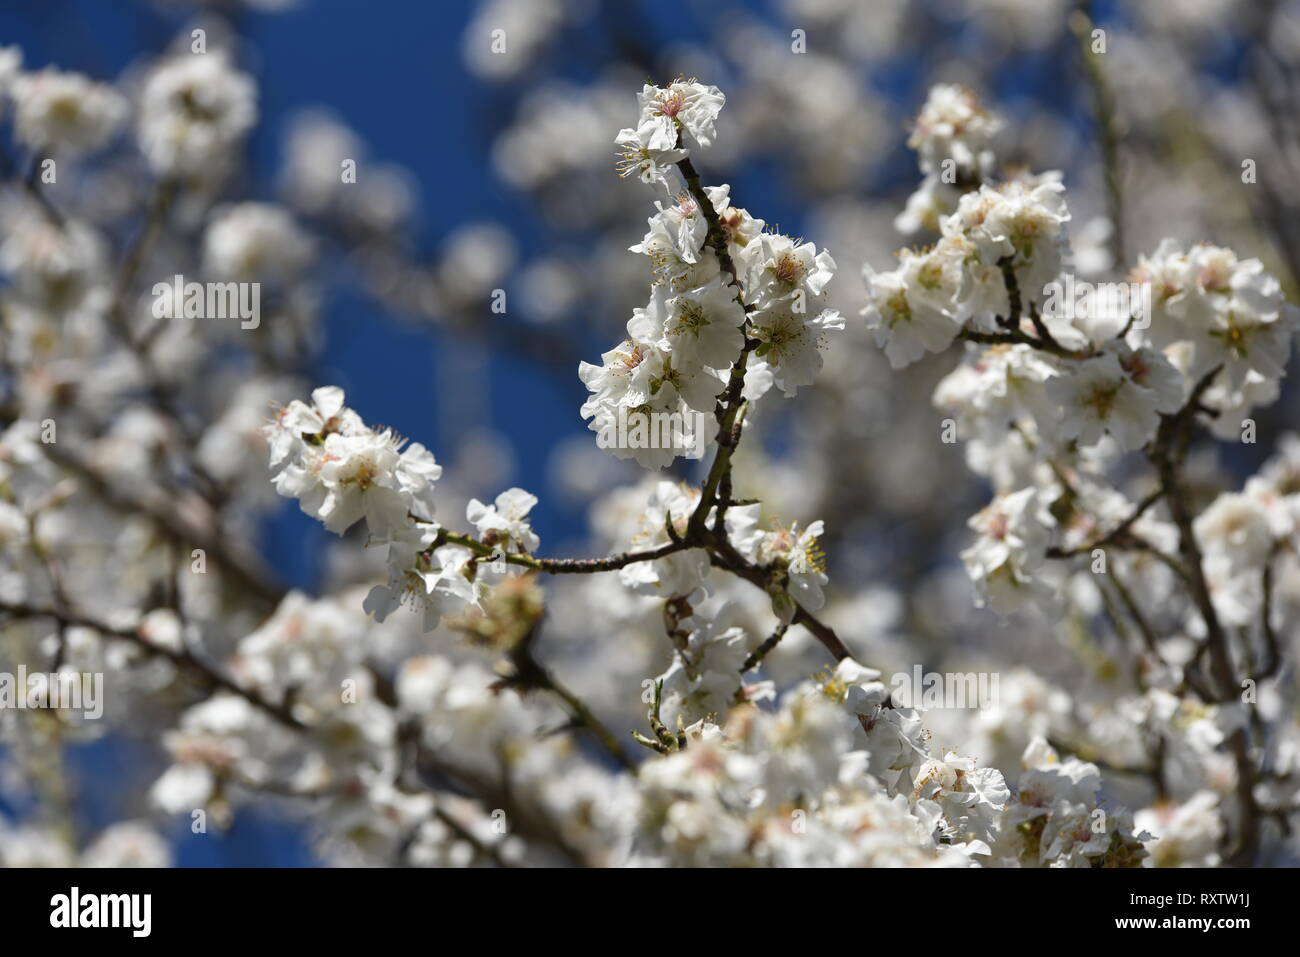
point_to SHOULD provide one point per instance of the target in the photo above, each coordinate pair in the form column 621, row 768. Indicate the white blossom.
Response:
column 194, row 109
column 1005, row 560
column 65, row 112
column 506, row 520
column 683, row 106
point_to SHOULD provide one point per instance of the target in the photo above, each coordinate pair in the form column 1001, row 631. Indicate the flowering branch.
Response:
column 562, row 566
column 1117, row 535
column 1104, row 111
column 208, row 674
column 729, row 408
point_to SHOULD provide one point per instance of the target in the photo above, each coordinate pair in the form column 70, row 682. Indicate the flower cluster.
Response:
column 1050, row 401
column 1083, row 382
column 683, row 108
column 194, row 109
column 723, row 288
column 342, row 471
column 1016, row 229
column 953, row 137
column 1214, row 310
column 65, row 112
column 791, row 788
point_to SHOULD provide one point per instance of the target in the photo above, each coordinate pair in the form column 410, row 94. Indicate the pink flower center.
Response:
column 671, row 103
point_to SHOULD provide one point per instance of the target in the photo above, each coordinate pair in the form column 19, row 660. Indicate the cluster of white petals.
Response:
column 194, row 110
column 65, row 112
column 1046, row 381
column 342, row 472
column 723, row 287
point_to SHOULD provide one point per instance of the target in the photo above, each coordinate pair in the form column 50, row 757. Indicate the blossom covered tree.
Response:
column 699, row 688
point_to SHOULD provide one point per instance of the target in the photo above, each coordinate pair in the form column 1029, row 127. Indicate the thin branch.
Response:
column 762, row 651
column 163, row 511
column 1144, row 627
column 1104, row 114
column 1116, row 534
column 1168, row 453
column 725, row 556
column 468, row 836
column 1012, row 319
column 730, row 402
column 530, row 674
column 1017, row 337
column 562, row 566
column 1273, row 661
column 208, row 674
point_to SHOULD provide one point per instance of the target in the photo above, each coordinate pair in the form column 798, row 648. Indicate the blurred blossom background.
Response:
column 481, row 171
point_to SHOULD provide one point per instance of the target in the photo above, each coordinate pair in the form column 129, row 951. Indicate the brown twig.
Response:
column 208, row 674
